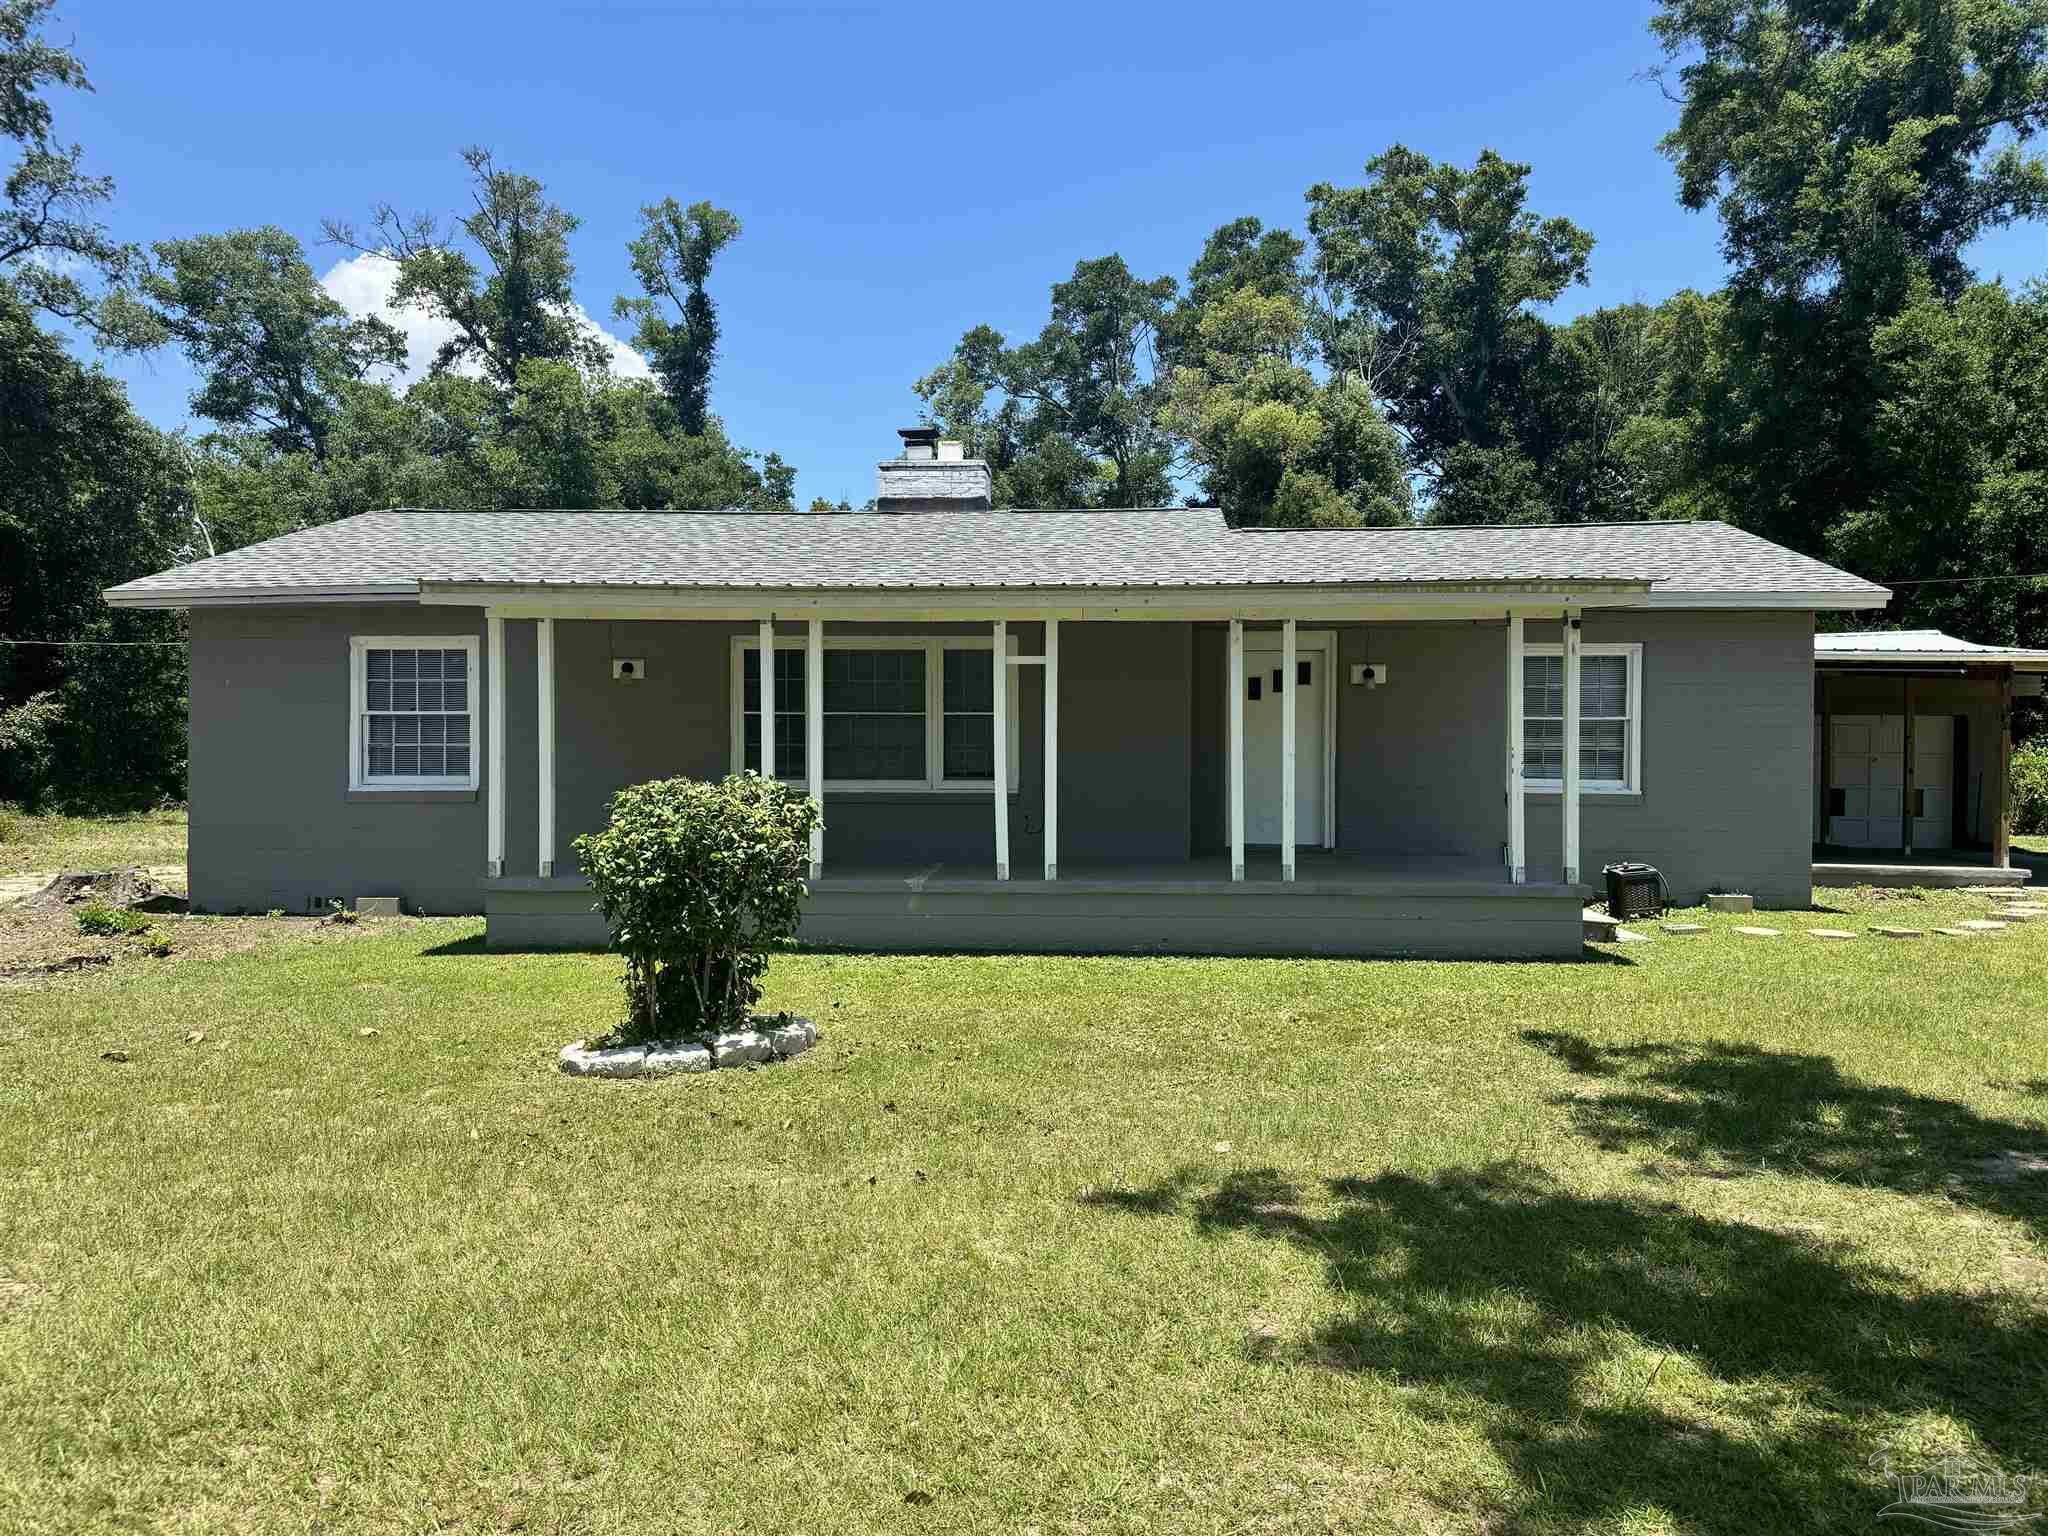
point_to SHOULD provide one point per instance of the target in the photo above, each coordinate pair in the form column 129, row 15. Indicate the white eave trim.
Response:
column 1861, row 660
column 1799, row 601
column 265, row 597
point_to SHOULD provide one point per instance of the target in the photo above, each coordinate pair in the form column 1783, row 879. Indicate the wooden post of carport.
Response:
column 2001, row 828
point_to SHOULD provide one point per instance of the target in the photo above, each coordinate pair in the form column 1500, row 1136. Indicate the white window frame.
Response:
column 359, row 647
column 935, row 648
column 1633, row 783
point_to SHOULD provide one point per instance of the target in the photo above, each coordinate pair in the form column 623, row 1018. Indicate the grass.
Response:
column 1673, row 1241
column 2036, row 843
column 52, row 843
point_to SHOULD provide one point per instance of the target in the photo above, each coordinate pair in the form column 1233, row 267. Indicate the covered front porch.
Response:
column 1242, row 847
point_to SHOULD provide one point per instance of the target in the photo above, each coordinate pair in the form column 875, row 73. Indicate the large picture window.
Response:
column 1610, row 726
column 897, row 713
column 413, row 712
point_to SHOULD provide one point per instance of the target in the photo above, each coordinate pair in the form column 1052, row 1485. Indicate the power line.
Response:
column 69, row 644
column 1962, row 581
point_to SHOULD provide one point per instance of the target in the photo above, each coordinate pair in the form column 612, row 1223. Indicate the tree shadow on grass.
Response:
column 1735, row 1109
column 1623, row 1356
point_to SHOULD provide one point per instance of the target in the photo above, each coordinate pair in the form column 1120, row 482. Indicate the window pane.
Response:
column 874, row 746
column 1603, row 686
column 1542, row 686
column 874, row 682
column 378, row 693
column 789, row 741
column 970, row 681
column 750, row 682
column 1603, row 750
column 1543, row 749
column 789, row 681
column 970, row 747
column 430, row 693
column 458, row 745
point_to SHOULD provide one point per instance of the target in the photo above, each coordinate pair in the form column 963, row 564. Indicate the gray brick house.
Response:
column 1119, row 730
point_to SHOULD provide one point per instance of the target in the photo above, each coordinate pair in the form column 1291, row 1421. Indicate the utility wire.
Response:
column 1959, row 581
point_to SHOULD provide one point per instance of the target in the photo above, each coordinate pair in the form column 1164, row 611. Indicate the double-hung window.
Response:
column 898, row 713
column 412, row 722
column 1610, row 718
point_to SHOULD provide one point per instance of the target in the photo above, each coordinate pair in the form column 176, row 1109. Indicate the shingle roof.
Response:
column 1167, row 547
column 1921, row 644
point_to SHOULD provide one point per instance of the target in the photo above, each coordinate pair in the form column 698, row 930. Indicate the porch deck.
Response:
column 1941, row 868
column 1340, row 903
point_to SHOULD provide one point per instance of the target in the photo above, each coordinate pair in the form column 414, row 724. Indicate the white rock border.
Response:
column 774, row 1037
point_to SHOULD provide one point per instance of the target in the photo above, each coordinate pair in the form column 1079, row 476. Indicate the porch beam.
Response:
column 1052, row 749
column 544, row 669
column 814, row 735
column 1571, row 746
column 1518, row 826
column 2001, row 826
column 1000, row 675
column 767, row 669
column 1288, row 678
column 1237, row 749
column 494, row 786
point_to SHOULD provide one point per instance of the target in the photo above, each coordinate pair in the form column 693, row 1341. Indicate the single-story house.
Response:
column 1915, row 717
column 1103, row 730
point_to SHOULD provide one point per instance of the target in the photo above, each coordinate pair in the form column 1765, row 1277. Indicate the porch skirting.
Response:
column 1136, row 911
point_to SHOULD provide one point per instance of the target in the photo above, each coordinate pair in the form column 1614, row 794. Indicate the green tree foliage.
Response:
column 1852, row 153
column 93, row 496
column 1274, row 442
column 273, row 349
column 1434, row 274
column 509, row 295
column 672, row 258
column 52, row 239
column 700, row 883
column 1073, row 418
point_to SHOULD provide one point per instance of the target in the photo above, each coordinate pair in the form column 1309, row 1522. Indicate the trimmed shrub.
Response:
column 2030, row 787
column 699, row 881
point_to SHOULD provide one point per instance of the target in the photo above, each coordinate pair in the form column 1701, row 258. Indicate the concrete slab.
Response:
column 2019, row 914
column 1981, row 924
column 1831, row 933
column 1886, row 931
column 1955, row 933
column 1728, row 901
column 1759, row 933
column 1682, row 929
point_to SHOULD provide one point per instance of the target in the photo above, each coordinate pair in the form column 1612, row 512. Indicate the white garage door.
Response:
column 1867, row 790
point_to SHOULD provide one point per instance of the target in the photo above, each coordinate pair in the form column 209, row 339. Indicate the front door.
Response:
column 1264, row 686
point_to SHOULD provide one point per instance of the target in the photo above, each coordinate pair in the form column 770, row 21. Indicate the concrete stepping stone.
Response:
column 1981, row 924
column 1630, row 936
column 1730, row 901
column 1885, row 931
column 1758, row 933
column 1831, row 933
column 2019, row 914
column 1682, row 929
column 2003, row 892
column 1955, row 933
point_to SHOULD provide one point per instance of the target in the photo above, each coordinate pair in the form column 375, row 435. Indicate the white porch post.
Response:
column 814, row 734
column 1518, row 835
column 1052, row 749
column 1288, row 678
column 767, row 764
column 999, row 674
column 1237, row 749
column 1571, row 746
column 544, row 639
column 494, row 787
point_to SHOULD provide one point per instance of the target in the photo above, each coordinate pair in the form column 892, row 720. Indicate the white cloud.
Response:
column 362, row 286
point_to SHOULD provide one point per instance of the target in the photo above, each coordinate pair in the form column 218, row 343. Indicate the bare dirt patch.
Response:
column 133, row 889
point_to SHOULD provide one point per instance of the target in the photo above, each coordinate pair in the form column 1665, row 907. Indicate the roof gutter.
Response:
column 266, row 597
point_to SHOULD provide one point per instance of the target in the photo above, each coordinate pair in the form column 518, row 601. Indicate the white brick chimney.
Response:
column 933, row 474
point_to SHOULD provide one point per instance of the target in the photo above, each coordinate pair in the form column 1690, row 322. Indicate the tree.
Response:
column 274, row 350
column 518, row 305
column 50, row 232
column 1853, row 153
column 672, row 259
column 1432, row 276
column 93, row 496
column 1077, row 419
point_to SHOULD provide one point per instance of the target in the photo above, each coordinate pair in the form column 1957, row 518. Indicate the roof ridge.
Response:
column 772, row 512
column 1637, row 522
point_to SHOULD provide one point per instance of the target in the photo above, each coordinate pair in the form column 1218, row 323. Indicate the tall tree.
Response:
column 513, row 300
column 1076, row 418
column 672, row 258
column 272, row 347
column 1434, row 274
column 1853, row 153
column 52, row 240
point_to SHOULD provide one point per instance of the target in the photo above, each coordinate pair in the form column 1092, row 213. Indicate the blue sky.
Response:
column 901, row 174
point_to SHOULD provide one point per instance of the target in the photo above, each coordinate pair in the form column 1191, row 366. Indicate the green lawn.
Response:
column 2033, row 844
column 1671, row 1241
column 38, row 843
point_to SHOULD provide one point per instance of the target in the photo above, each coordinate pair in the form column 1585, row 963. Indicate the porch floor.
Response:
column 1317, row 871
column 1938, row 868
